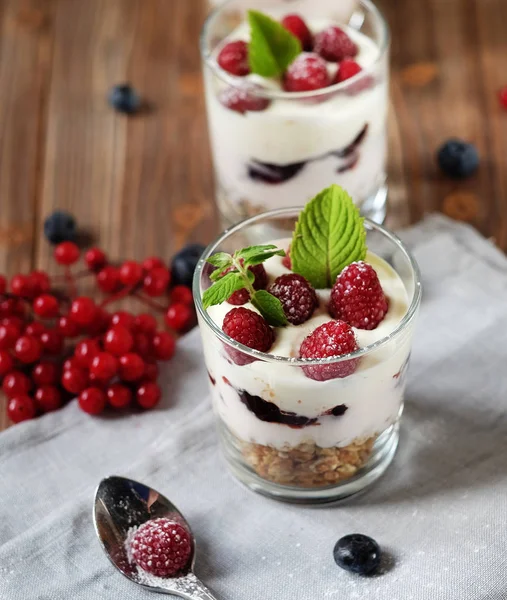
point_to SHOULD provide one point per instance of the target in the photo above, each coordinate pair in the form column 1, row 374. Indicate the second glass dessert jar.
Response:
column 289, row 436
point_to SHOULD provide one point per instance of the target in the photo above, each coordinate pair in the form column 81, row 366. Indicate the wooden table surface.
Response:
column 143, row 185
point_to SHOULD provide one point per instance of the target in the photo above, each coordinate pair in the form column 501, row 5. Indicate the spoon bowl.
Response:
column 121, row 506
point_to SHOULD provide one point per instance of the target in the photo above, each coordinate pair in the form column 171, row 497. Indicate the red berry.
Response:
column 100, row 323
column 347, row 69
column 82, row 311
column 45, row 373
column 156, row 281
column 108, row 279
column 104, row 366
column 119, row 396
column 6, row 363
column 260, row 282
column 48, row 398
column 35, row 329
column 152, row 262
column 142, row 344
column 74, row 380
column 243, row 99
column 182, row 294
column 40, row 282
column 148, row 394
column 357, row 297
column 95, row 259
column 179, row 317
column 21, row 408
column 150, row 371
column 131, row 367
column 145, row 323
column 233, row 58
column 46, row 306
column 248, row 328
column 161, row 547
column 297, row 296
column 16, row 383
column 27, row 349
column 3, row 284
column 131, row 273
column 334, row 44
column 66, row 253
column 296, row 25
column 123, row 318
column 92, row 401
column 85, row 352
column 52, row 342
column 21, row 286
column 334, row 338
column 67, row 327
column 9, row 333
column 118, row 340
column 164, row 345
column 18, row 322
column 71, row 363
column 12, row 307
column 308, row 72
column 502, row 95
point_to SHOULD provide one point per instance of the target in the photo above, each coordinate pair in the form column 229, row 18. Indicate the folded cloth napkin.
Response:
column 440, row 511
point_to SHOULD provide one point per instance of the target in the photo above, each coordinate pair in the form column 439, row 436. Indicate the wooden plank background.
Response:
column 143, row 185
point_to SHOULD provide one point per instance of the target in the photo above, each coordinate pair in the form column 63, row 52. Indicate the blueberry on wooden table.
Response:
column 124, row 99
column 458, row 159
column 184, row 263
column 60, row 226
column 357, row 553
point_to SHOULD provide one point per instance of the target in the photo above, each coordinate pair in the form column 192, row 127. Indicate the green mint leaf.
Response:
column 222, row 289
column 270, row 308
column 329, row 235
column 217, row 274
column 255, row 255
column 222, row 260
column 272, row 48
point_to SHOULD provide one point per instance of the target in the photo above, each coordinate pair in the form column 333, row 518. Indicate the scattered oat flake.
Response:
column 419, row 74
column 461, row 206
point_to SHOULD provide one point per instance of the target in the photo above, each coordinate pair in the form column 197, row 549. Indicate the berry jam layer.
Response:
column 274, row 153
column 279, row 406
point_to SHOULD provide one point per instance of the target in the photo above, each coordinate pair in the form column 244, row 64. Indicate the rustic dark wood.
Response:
column 143, row 185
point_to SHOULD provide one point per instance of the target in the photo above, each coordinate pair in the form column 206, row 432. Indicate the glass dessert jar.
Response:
column 273, row 148
column 289, row 435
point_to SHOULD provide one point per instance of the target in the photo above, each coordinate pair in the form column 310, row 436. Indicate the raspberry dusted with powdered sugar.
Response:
column 243, row 99
column 308, row 72
column 161, row 547
column 233, row 58
column 297, row 296
column 250, row 329
column 357, row 297
column 296, row 25
column 334, row 44
column 334, row 338
column 242, row 296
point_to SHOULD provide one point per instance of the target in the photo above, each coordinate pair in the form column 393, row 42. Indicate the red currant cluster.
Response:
column 114, row 361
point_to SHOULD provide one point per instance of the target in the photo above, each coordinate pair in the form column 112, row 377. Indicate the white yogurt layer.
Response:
column 373, row 394
column 292, row 131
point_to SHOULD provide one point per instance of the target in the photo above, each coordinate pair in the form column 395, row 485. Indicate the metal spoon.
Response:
column 121, row 504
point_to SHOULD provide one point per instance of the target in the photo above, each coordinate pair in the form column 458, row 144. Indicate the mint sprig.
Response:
column 272, row 48
column 329, row 235
column 226, row 282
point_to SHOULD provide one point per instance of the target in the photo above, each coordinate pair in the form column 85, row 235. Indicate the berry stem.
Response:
column 70, row 282
column 149, row 302
column 121, row 294
column 244, row 273
column 78, row 275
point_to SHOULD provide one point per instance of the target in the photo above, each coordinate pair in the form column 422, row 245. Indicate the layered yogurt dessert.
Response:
column 320, row 115
column 308, row 379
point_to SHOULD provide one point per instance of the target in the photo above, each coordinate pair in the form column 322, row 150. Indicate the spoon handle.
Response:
column 192, row 588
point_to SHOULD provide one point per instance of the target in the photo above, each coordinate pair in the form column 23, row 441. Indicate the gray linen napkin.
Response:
column 440, row 511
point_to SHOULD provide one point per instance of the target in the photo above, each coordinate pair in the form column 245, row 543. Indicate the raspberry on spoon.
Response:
column 308, row 72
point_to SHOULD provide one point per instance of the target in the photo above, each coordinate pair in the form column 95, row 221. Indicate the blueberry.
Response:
column 124, row 99
column 458, row 159
column 60, row 226
column 184, row 263
column 357, row 553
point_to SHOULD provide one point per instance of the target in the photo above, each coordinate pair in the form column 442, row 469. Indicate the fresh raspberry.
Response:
column 308, row 72
column 347, row 69
column 233, row 58
column 161, row 547
column 334, row 44
column 243, row 99
column 357, row 297
column 334, row 338
column 250, row 329
column 260, row 282
column 21, row 408
column 296, row 25
column 297, row 296
column 502, row 96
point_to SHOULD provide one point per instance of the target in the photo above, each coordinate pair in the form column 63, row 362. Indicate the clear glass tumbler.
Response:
column 289, row 145
column 291, row 437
